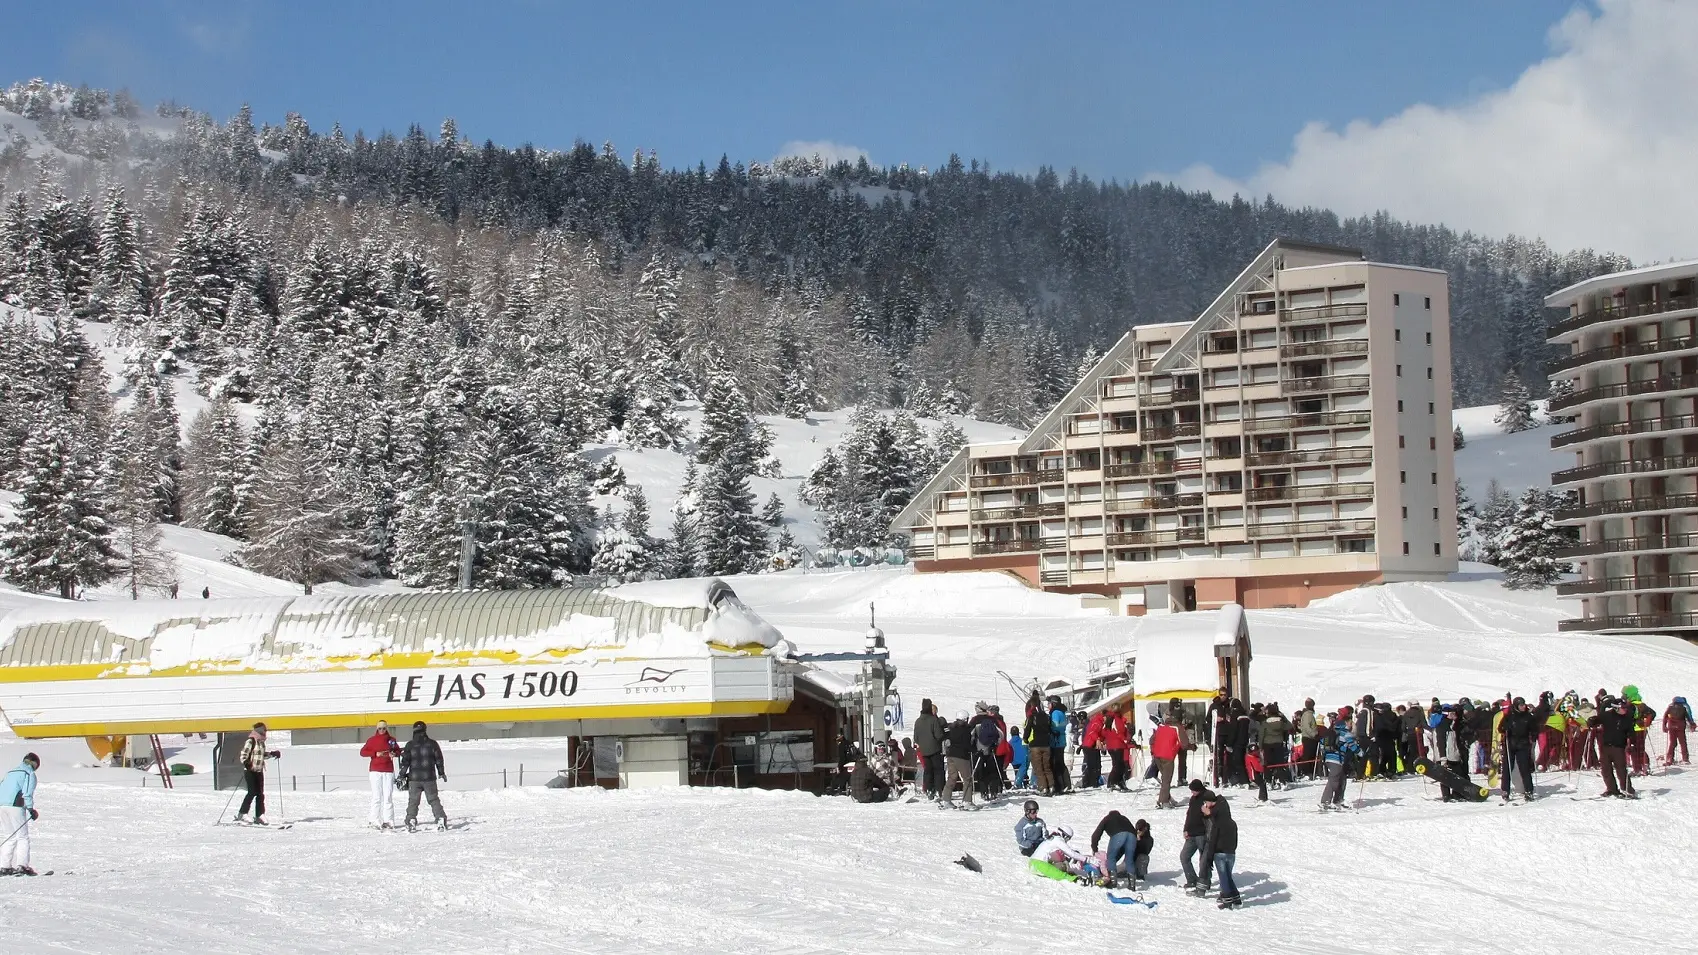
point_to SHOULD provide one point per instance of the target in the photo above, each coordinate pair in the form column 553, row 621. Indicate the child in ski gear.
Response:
column 1196, row 833
column 422, row 767
column 253, row 757
column 1029, row 829
column 1018, row 758
column 865, row 785
column 17, row 811
column 382, row 749
column 1058, row 850
column 1221, row 850
column 1676, row 721
column 1341, row 750
column 957, row 749
column 1253, row 766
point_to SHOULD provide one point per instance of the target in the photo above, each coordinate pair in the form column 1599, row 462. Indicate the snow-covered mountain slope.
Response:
column 719, row 870
column 1516, row 461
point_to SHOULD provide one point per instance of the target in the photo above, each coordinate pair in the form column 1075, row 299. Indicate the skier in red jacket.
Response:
column 382, row 749
column 1164, row 747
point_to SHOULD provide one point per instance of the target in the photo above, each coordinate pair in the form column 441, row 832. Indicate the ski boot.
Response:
column 240, row 820
column 441, row 825
column 260, row 822
column 412, row 825
column 8, row 871
column 23, row 870
column 1233, row 903
column 386, row 827
column 1201, row 891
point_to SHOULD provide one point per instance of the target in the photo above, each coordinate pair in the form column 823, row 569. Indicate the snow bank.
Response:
column 900, row 592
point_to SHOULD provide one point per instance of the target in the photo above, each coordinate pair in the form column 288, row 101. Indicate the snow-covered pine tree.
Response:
column 772, row 512
column 217, row 472
column 1495, row 513
column 729, row 434
column 730, row 537
column 1515, row 405
column 1560, row 388
column 59, row 539
column 135, row 507
column 786, row 553
column 298, row 529
column 1467, row 517
column 1457, row 440
column 1528, row 543
column 625, row 552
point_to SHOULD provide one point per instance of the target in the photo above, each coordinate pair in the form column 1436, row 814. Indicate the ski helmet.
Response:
column 1064, row 832
column 1031, row 806
column 1631, row 692
column 961, row 715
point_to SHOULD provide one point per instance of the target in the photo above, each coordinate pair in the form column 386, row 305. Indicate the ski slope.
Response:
column 716, row 871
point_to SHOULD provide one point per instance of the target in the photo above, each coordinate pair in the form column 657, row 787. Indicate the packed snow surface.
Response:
column 144, row 870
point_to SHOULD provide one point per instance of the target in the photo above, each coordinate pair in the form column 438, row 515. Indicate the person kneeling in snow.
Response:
column 1029, row 829
column 865, row 785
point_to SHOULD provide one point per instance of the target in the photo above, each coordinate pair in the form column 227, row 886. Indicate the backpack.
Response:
column 987, row 736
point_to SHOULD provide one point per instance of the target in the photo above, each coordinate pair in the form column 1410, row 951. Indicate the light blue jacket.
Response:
column 1058, row 723
column 1028, row 832
column 18, row 788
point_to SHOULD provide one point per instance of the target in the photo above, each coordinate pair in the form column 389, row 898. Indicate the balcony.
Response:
column 1621, row 429
column 1631, row 505
column 1310, row 528
column 1626, row 389
column 1020, row 513
column 1177, row 396
column 1611, row 313
column 1165, row 502
column 1273, row 459
column 1616, row 585
column 1178, row 535
column 1320, row 313
column 1185, row 429
column 1300, row 492
column 1053, row 576
column 1661, row 346
column 1320, row 419
column 1587, row 472
column 1337, row 346
column 921, row 551
column 1146, row 468
column 1321, row 385
column 1633, row 621
column 1020, row 546
column 1015, row 479
column 1624, row 545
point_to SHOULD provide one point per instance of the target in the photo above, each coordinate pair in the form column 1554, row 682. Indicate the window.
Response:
column 1429, row 374
column 1435, row 477
column 1435, row 513
column 1406, row 513
column 1435, row 550
column 1397, row 335
column 1400, row 441
column 1429, row 407
column 1427, row 303
column 1357, row 545
column 1400, row 371
column 1400, row 405
column 1429, row 338
column 1396, row 299
column 1405, row 548
column 1403, row 477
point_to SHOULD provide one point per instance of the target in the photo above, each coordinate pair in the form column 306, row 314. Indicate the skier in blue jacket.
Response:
column 1058, row 745
column 17, row 811
column 1029, row 830
column 1018, row 759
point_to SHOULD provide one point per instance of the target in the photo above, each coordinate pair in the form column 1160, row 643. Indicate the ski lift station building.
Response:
column 1185, row 656
column 662, row 683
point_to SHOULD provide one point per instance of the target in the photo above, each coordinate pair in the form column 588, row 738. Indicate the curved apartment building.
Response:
column 1633, row 362
column 1292, row 441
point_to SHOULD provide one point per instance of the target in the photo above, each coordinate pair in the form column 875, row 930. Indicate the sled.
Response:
column 1048, row 871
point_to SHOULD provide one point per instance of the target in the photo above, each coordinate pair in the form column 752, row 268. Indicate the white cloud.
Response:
column 824, row 148
column 1594, row 146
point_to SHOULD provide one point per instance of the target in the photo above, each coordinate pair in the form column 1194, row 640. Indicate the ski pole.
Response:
column 226, row 808
column 21, row 827
column 280, row 815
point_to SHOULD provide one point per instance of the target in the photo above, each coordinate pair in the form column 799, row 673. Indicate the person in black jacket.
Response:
column 1122, row 845
column 1519, row 727
column 1222, row 850
column 421, row 766
column 1614, row 724
column 928, row 742
column 1196, row 836
column 957, row 753
column 1388, row 726
column 1040, row 736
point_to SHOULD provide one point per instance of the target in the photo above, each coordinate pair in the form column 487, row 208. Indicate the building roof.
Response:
column 1644, row 275
column 667, row 618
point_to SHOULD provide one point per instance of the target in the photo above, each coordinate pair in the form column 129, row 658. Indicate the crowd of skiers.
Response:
column 1260, row 746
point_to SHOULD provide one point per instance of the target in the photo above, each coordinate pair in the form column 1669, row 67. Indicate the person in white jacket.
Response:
column 1058, row 851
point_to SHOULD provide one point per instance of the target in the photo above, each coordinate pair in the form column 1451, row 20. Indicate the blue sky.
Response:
column 1118, row 89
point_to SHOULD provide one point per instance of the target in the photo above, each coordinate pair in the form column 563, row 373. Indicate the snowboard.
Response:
column 1439, row 773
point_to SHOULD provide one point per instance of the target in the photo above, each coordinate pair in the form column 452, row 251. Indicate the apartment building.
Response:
column 1633, row 365
column 1291, row 442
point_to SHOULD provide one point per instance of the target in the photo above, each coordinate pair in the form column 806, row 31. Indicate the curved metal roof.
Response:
column 276, row 629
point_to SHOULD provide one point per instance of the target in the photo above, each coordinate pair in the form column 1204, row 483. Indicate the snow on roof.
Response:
column 1644, row 274
column 1176, row 656
column 682, row 618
